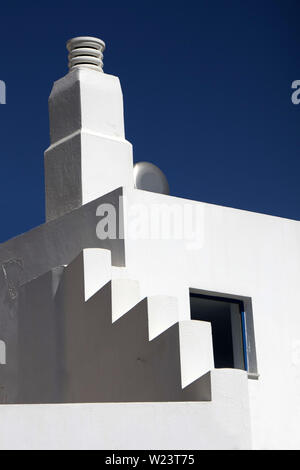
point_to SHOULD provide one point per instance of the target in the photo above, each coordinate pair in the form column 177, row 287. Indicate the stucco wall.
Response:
column 240, row 253
column 220, row 424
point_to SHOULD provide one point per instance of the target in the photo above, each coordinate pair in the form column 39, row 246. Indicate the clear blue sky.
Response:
column 207, row 93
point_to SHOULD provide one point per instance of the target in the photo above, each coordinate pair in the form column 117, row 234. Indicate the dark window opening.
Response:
column 228, row 328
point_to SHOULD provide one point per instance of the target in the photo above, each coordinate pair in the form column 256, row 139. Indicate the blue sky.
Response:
column 207, row 94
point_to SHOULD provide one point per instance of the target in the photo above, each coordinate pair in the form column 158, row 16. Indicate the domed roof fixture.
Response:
column 86, row 51
column 150, row 178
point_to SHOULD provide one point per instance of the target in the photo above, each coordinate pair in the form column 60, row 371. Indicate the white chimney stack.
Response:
column 89, row 155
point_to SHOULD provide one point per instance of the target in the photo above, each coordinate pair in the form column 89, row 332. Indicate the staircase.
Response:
column 85, row 337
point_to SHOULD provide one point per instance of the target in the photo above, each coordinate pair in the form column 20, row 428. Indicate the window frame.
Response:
column 247, row 325
column 2, row 353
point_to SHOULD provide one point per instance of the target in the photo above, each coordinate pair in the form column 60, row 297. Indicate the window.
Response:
column 2, row 353
column 232, row 328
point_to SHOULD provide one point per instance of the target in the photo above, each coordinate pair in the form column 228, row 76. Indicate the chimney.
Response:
column 88, row 154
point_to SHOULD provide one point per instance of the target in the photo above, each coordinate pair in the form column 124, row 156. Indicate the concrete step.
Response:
column 125, row 293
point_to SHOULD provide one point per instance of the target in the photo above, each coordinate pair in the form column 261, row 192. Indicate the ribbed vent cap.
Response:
column 85, row 51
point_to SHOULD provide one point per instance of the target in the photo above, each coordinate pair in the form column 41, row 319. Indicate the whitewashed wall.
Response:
column 241, row 253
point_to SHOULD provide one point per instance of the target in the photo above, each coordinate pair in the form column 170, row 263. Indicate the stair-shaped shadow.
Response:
column 72, row 352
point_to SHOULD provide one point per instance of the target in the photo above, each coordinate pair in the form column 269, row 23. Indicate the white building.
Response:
column 136, row 320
